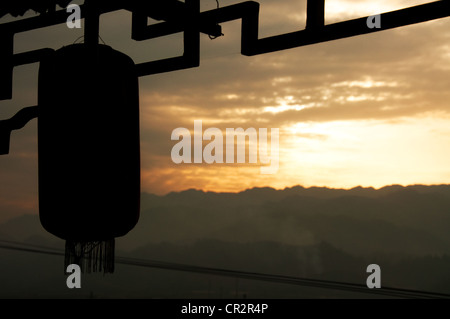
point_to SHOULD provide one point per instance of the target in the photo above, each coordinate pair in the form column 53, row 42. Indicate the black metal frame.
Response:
column 177, row 16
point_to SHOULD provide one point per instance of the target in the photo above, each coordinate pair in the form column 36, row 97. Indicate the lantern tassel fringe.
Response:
column 91, row 256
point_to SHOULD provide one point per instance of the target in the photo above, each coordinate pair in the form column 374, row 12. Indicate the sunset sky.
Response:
column 371, row 110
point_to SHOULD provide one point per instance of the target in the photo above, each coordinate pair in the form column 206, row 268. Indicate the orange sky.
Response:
column 370, row 110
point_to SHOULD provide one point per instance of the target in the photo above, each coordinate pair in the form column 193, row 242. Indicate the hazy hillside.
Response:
column 304, row 232
column 413, row 220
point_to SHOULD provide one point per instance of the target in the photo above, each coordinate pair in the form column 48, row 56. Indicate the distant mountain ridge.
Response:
column 301, row 215
column 307, row 215
column 317, row 192
column 314, row 232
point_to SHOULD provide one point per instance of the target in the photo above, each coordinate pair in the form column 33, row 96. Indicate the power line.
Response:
column 402, row 293
column 316, row 283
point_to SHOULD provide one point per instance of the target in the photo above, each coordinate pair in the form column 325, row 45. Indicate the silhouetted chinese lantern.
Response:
column 89, row 158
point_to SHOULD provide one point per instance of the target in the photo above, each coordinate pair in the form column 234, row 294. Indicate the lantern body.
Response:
column 88, row 144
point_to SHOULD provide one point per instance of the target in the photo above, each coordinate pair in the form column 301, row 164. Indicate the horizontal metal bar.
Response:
column 55, row 18
column 167, row 10
column 251, row 45
column 346, row 29
column 141, row 31
column 249, row 13
column 41, row 21
column 31, row 56
column 233, row 12
column 191, row 55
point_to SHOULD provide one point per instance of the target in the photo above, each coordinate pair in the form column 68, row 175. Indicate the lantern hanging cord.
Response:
column 79, row 38
column 101, row 39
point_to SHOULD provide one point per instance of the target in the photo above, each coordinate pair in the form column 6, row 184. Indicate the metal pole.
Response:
column 6, row 65
column 91, row 25
column 315, row 15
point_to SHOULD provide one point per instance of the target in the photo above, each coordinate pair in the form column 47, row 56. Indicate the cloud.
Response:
column 386, row 76
column 404, row 67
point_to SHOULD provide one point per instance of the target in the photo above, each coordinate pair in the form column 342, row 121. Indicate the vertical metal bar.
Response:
column 315, row 14
column 91, row 25
column 5, row 138
column 138, row 26
column 15, row 123
column 250, row 27
column 31, row 56
column 192, row 33
column 6, row 65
